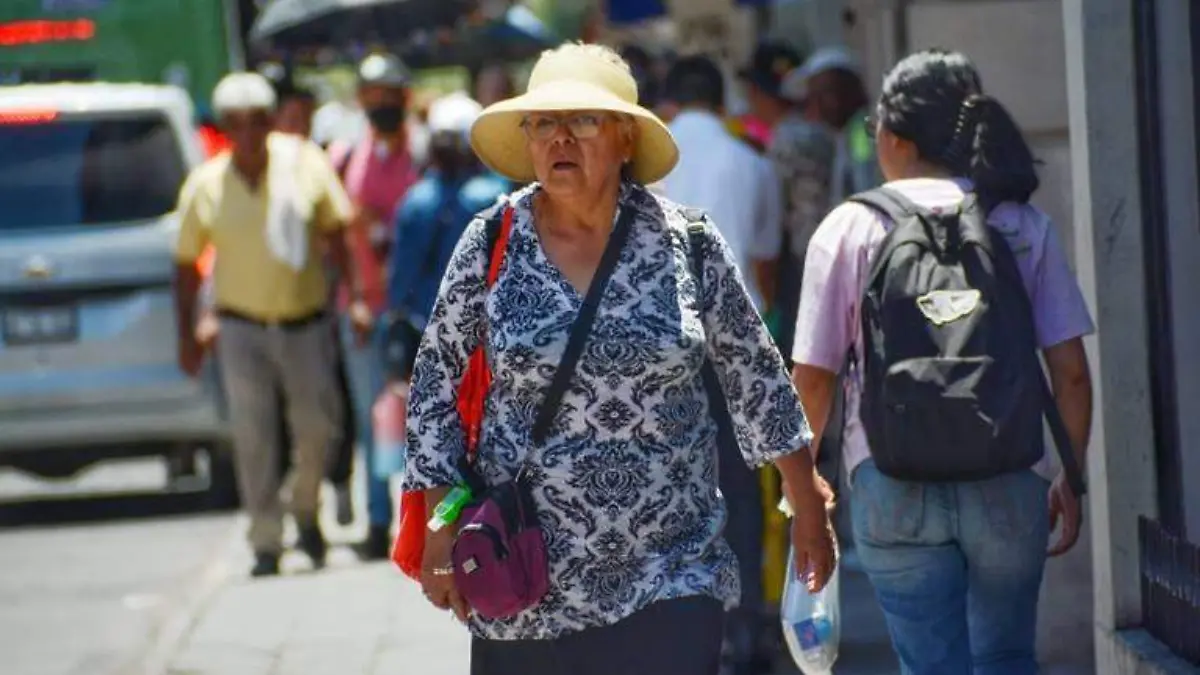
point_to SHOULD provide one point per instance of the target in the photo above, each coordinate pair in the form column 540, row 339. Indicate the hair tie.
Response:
column 966, row 119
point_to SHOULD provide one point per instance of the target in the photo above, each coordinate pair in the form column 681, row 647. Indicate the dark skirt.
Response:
column 670, row 637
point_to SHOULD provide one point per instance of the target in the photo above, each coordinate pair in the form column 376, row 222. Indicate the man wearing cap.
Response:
column 269, row 208
column 802, row 153
column 377, row 172
column 831, row 79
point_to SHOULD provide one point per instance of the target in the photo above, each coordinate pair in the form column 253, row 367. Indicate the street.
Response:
column 93, row 597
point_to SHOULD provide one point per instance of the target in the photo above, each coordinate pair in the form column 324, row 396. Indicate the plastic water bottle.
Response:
column 388, row 415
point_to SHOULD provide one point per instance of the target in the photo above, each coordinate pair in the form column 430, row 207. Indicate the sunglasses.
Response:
column 581, row 126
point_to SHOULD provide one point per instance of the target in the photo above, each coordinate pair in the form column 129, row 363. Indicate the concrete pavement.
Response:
column 93, row 598
column 348, row 619
column 353, row 619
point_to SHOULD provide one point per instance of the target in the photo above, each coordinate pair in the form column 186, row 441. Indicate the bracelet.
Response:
column 443, row 571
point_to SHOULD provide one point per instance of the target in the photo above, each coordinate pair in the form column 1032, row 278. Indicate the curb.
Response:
column 169, row 633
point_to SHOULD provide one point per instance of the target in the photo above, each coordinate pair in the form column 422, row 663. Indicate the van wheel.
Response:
column 222, row 478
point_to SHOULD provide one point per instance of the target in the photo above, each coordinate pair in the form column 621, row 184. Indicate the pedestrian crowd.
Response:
column 597, row 308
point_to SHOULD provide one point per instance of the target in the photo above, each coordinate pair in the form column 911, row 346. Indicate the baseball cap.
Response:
column 385, row 70
column 454, row 112
column 826, row 59
column 771, row 63
column 243, row 91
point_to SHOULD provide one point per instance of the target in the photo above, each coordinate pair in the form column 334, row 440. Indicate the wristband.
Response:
column 451, row 506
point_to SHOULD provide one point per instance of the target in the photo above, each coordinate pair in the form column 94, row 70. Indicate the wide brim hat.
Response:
column 566, row 80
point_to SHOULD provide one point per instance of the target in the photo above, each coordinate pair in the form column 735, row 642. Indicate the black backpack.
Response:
column 953, row 388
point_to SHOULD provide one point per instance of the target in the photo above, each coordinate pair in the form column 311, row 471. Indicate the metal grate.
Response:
column 1170, row 571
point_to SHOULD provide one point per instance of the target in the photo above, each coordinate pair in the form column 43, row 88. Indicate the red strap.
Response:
column 501, row 244
column 477, row 378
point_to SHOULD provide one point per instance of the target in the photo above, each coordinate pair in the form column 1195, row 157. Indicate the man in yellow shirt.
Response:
column 270, row 208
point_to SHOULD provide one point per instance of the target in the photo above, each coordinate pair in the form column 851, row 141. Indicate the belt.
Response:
column 285, row 324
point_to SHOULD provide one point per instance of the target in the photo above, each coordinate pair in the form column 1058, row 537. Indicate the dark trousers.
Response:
column 742, row 491
column 341, row 463
column 670, row 637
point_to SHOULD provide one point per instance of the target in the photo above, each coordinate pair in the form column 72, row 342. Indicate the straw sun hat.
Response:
column 573, row 77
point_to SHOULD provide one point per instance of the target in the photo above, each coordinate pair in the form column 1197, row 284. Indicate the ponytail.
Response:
column 934, row 99
column 1001, row 165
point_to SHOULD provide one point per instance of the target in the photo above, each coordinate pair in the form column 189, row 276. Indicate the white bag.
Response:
column 811, row 623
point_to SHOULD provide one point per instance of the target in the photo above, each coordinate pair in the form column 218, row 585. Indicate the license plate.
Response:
column 40, row 325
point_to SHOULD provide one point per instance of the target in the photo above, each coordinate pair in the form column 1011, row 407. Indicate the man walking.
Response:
column 266, row 208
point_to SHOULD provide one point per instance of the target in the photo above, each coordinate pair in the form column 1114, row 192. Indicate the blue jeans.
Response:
column 364, row 369
column 956, row 568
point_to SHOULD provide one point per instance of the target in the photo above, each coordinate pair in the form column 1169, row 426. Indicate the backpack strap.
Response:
column 697, row 231
column 1006, row 267
column 896, row 208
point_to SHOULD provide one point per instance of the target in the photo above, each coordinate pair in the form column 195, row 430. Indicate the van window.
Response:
column 63, row 172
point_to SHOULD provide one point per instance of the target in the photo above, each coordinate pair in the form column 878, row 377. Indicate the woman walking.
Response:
column 624, row 481
column 956, row 564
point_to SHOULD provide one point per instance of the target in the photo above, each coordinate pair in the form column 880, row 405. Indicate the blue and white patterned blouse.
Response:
column 626, row 483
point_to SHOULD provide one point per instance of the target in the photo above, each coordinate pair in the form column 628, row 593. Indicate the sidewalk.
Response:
column 355, row 619
column 349, row 619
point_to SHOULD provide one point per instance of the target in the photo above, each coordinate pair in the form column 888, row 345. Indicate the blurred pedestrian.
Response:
column 377, row 172
column 740, row 190
column 266, row 207
column 296, row 109
column 956, row 563
column 492, row 84
column 833, row 83
column 802, row 153
column 621, row 469
column 297, row 105
column 429, row 222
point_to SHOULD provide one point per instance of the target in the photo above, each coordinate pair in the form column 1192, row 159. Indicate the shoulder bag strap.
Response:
column 582, row 326
column 708, row 373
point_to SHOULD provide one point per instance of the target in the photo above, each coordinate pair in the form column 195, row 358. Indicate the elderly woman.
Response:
column 624, row 481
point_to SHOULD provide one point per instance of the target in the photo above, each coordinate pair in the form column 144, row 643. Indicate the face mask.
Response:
column 386, row 119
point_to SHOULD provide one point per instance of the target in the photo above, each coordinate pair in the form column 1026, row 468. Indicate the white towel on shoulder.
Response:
column 287, row 217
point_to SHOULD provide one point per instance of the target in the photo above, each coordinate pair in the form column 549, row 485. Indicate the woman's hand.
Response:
column 811, row 500
column 813, row 538
column 1064, row 508
column 437, row 574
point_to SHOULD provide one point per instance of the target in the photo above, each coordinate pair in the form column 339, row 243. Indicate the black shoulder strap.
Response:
column 888, row 202
column 1006, row 265
column 696, row 232
column 726, row 436
column 896, row 207
column 583, row 325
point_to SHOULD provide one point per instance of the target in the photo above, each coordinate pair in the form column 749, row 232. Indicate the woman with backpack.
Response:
column 940, row 289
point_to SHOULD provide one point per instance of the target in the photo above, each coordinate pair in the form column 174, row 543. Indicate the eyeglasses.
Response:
column 581, row 126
